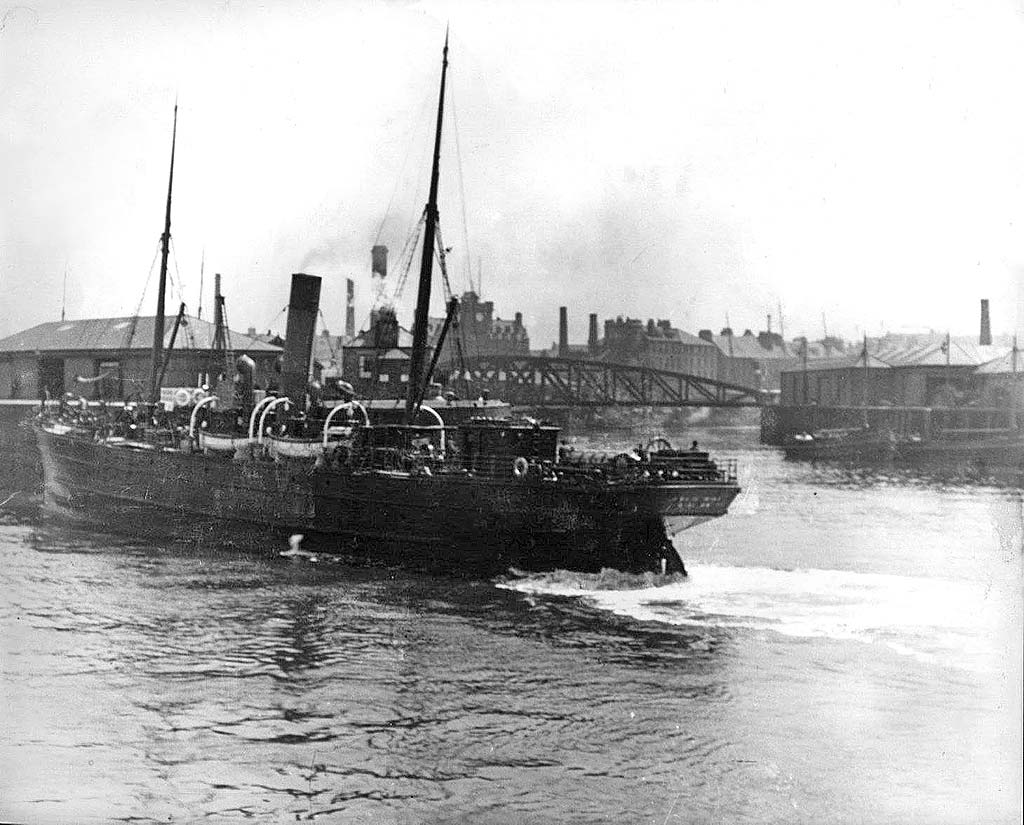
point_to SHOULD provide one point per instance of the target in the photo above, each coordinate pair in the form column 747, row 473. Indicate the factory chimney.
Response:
column 592, row 336
column 563, row 332
column 303, row 306
column 379, row 255
column 350, row 309
column 985, row 337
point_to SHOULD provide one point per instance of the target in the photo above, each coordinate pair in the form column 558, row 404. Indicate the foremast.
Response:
column 419, row 329
column 161, row 296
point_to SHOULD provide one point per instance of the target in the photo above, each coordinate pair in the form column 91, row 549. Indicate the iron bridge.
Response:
column 569, row 382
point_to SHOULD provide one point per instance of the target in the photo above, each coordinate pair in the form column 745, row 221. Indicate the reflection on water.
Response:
column 839, row 654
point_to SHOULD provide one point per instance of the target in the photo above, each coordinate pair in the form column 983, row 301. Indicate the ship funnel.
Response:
column 303, row 306
column 350, row 309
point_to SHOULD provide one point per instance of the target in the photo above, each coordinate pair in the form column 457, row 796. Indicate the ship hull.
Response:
column 434, row 522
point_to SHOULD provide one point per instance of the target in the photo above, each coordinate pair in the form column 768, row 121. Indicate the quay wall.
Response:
column 780, row 423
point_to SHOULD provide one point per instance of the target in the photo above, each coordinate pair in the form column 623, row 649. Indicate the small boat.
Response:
column 842, row 444
column 221, row 442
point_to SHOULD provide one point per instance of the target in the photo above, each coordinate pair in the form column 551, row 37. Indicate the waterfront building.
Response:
column 111, row 358
column 1000, row 382
column 376, row 362
column 659, row 345
column 939, row 373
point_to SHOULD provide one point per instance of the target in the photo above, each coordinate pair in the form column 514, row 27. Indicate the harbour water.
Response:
column 847, row 649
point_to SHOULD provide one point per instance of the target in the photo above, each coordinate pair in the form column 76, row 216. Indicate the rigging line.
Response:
column 274, row 320
column 462, row 195
column 442, row 262
column 404, row 262
column 408, row 253
column 409, row 143
column 228, row 346
column 130, row 334
column 178, row 284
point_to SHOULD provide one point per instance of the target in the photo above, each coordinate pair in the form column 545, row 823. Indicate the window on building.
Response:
column 364, row 369
column 383, row 378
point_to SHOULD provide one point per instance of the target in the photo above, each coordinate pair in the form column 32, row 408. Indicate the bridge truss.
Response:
column 568, row 382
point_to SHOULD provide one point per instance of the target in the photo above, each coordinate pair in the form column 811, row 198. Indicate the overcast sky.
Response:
column 678, row 160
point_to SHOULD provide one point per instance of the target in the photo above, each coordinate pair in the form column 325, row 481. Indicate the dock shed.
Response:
column 110, row 358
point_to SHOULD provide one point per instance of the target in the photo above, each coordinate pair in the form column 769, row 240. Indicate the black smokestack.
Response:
column 303, row 305
column 985, row 337
column 563, row 332
column 592, row 336
column 350, row 309
column 379, row 255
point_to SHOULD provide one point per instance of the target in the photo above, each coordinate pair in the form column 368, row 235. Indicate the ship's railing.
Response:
column 419, row 450
column 620, row 469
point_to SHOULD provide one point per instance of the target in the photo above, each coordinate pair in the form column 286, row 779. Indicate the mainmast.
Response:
column 165, row 245
column 419, row 329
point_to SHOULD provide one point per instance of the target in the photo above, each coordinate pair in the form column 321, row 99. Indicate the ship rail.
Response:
column 615, row 470
column 420, row 451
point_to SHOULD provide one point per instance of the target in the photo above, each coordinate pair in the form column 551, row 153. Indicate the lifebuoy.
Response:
column 520, row 467
column 182, row 397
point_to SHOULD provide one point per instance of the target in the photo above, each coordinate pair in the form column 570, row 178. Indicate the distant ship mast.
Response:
column 419, row 329
column 165, row 245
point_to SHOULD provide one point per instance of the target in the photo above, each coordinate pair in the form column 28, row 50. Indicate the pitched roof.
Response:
column 1004, row 365
column 848, row 361
column 126, row 333
column 933, row 354
column 747, row 346
column 673, row 334
column 929, row 354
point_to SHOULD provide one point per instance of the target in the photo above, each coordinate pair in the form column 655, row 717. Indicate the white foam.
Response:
column 930, row 619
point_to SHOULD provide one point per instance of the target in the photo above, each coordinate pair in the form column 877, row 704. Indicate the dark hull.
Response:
column 21, row 472
column 853, row 452
column 1002, row 452
column 435, row 522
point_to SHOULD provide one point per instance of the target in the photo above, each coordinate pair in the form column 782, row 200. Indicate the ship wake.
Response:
column 931, row 619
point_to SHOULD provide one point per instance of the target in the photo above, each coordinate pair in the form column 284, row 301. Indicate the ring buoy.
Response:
column 182, row 397
column 520, row 467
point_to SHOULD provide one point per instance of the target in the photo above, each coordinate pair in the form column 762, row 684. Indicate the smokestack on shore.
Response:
column 379, row 261
column 985, row 336
column 592, row 335
column 350, row 309
column 303, row 306
column 563, row 332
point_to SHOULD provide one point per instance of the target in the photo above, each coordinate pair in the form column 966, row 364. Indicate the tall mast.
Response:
column 419, row 329
column 864, row 389
column 165, row 246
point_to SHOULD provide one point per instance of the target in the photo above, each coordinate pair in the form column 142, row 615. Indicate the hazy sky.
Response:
column 679, row 159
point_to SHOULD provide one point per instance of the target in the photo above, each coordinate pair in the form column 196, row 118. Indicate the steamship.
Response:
column 480, row 496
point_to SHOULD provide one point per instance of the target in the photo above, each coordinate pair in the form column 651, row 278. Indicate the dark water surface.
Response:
column 846, row 650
